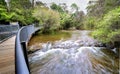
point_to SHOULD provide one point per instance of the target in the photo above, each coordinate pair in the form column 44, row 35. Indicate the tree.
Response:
column 101, row 7
column 56, row 7
column 65, row 21
column 74, row 7
column 109, row 28
column 22, row 10
column 8, row 5
column 96, row 11
column 19, row 4
column 5, row 16
column 49, row 19
column 80, row 20
column 90, row 23
column 64, row 7
column 96, row 8
column 16, row 11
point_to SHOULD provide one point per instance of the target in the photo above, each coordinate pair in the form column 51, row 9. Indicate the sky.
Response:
column 82, row 4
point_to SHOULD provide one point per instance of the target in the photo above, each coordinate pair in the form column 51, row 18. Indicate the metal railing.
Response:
column 7, row 31
column 21, row 59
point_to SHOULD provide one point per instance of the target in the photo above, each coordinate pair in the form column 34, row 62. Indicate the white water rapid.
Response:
column 77, row 55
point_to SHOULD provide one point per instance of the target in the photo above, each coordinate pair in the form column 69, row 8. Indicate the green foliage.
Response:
column 74, row 7
column 20, row 11
column 56, row 7
column 101, row 7
column 20, row 4
column 103, row 17
column 2, row 4
column 78, row 19
column 109, row 27
column 90, row 23
column 5, row 16
column 65, row 21
column 48, row 18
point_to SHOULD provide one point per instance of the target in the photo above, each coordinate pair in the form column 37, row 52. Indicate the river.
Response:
column 78, row 54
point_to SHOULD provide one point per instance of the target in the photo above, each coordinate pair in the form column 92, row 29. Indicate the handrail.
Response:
column 21, row 59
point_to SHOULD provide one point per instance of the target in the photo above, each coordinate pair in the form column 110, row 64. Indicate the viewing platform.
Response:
column 7, row 56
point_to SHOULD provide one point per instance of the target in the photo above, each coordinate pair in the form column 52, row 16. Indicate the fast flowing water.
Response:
column 76, row 55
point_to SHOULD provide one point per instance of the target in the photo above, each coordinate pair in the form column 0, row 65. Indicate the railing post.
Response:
column 25, row 53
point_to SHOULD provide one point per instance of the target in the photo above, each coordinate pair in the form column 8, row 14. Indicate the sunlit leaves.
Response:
column 48, row 18
column 109, row 27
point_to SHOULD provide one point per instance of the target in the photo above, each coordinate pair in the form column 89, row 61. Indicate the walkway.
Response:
column 7, row 63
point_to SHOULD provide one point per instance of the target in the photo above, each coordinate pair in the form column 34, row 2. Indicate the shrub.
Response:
column 65, row 21
column 109, row 27
column 90, row 23
column 49, row 19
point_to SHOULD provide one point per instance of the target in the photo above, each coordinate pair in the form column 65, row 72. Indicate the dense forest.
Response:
column 103, row 16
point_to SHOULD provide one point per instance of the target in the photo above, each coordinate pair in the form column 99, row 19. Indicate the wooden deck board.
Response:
column 7, row 62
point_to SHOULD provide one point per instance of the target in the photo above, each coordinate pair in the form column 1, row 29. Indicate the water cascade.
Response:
column 77, row 55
